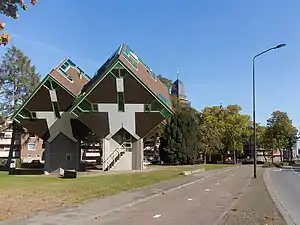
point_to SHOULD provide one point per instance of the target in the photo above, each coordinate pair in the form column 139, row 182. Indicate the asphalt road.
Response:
column 284, row 185
column 200, row 203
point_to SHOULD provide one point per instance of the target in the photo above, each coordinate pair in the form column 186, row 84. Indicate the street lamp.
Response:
column 253, row 102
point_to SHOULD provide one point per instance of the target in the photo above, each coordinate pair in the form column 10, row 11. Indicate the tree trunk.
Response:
column 264, row 155
column 204, row 158
column 281, row 156
column 234, row 156
column 209, row 159
column 272, row 157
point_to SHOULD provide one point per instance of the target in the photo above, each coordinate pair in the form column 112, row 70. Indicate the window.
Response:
column 63, row 70
column 147, row 108
column 31, row 146
column 7, row 135
column 68, row 157
column 95, row 107
column 2, row 135
column 65, row 66
column 121, row 103
column 70, row 78
column 33, row 115
column 56, row 109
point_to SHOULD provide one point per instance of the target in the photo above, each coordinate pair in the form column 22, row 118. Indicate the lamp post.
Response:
column 253, row 102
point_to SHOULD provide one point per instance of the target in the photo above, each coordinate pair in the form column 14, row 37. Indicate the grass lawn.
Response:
column 25, row 195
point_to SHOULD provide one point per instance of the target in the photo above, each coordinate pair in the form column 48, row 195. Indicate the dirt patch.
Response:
column 20, row 203
column 254, row 207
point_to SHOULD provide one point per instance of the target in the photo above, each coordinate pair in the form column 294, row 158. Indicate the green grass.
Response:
column 85, row 188
column 48, row 192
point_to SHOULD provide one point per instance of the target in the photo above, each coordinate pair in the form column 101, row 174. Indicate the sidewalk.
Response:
column 100, row 207
column 254, row 207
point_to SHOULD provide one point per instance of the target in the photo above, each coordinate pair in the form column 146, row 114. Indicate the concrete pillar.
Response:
column 105, row 152
column 47, row 159
column 62, row 153
column 138, row 155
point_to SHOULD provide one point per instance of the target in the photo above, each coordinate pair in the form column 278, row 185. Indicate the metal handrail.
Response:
column 112, row 154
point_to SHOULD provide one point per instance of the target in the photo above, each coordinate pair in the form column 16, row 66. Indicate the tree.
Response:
column 10, row 8
column 232, row 128
column 280, row 132
column 235, row 127
column 179, row 143
column 18, row 78
column 209, row 132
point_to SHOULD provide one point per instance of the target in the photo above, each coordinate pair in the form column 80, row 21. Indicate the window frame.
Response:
column 31, row 149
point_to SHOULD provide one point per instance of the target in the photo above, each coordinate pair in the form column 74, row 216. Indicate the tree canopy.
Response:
column 280, row 132
column 179, row 141
column 166, row 81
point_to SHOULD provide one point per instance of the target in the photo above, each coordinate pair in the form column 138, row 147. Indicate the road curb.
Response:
column 274, row 196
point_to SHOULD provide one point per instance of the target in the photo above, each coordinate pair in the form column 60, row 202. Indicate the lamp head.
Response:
column 280, row 46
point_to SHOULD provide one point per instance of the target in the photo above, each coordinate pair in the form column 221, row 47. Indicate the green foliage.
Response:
column 280, row 132
column 18, row 78
column 179, row 144
column 235, row 128
column 223, row 130
column 166, row 81
column 210, row 131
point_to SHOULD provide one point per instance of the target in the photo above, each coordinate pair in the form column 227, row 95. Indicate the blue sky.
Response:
column 211, row 43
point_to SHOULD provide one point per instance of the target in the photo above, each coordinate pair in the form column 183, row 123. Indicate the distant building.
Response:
column 5, row 142
column 178, row 91
column 26, row 147
column 32, row 148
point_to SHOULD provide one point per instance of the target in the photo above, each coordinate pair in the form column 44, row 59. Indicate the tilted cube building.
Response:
column 122, row 104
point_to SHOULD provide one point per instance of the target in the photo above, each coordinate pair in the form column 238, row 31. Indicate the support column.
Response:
column 138, row 155
column 105, row 152
column 47, row 159
column 62, row 153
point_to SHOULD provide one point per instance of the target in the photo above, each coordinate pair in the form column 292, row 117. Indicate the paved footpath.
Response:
column 254, row 207
column 197, row 199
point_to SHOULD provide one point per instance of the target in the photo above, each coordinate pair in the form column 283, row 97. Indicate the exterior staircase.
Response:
column 116, row 156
